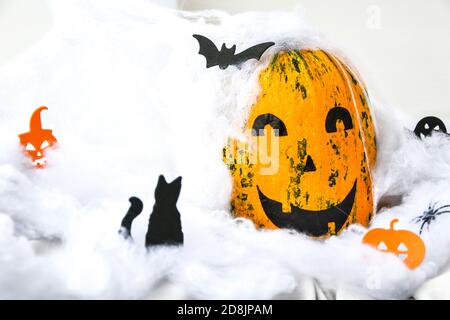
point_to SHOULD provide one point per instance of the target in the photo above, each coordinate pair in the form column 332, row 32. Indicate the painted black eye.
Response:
column 268, row 119
column 335, row 114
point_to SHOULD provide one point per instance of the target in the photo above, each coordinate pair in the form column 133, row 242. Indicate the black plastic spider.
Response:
column 430, row 214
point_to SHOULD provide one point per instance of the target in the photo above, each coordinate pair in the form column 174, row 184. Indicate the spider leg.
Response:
column 441, row 212
column 421, row 228
column 442, row 207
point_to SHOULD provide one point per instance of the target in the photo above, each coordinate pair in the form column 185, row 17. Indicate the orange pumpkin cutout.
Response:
column 405, row 244
column 312, row 118
column 37, row 140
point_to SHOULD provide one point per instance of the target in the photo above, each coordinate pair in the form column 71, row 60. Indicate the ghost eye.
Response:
column 30, row 147
column 44, row 144
column 268, row 119
column 338, row 114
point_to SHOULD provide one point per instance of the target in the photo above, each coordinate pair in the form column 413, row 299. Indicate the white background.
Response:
column 401, row 46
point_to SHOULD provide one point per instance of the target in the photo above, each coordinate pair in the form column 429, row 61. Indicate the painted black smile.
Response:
column 313, row 223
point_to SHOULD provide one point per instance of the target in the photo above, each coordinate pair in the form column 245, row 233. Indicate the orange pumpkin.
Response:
column 37, row 140
column 310, row 150
column 405, row 244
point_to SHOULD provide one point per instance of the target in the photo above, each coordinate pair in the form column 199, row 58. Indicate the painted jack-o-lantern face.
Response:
column 312, row 145
column 403, row 243
column 37, row 140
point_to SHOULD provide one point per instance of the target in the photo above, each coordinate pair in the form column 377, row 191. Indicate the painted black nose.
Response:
column 309, row 164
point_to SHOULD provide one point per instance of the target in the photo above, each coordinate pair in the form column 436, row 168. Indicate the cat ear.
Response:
column 176, row 185
column 177, row 181
column 162, row 181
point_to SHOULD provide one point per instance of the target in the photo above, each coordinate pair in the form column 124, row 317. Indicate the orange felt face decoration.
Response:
column 37, row 140
column 403, row 243
column 306, row 165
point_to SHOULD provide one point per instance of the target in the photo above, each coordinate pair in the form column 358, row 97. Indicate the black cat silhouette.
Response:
column 164, row 226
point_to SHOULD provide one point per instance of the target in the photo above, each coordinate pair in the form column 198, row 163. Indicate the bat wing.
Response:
column 254, row 52
column 207, row 49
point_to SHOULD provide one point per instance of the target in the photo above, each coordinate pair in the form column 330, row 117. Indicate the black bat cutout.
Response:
column 226, row 56
column 428, row 125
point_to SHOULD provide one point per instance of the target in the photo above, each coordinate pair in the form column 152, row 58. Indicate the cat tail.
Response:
column 134, row 210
